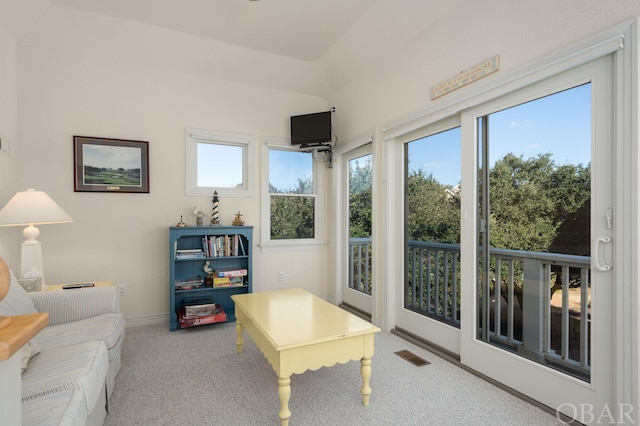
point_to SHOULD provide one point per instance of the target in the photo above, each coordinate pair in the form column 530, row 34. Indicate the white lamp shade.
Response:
column 32, row 207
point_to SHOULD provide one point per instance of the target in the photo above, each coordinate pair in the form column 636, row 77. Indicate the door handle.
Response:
column 594, row 253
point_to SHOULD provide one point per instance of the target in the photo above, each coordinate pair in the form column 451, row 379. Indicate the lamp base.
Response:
column 31, row 260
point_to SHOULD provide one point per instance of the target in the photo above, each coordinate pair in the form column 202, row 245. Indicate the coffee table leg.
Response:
column 284, row 393
column 365, row 370
column 239, row 341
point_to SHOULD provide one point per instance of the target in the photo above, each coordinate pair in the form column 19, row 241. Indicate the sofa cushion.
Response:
column 27, row 351
column 74, row 305
column 82, row 366
column 17, row 301
column 106, row 327
column 62, row 408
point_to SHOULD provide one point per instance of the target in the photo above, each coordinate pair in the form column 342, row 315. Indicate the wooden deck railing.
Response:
column 549, row 322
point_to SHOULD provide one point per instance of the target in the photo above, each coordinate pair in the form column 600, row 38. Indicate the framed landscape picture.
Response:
column 110, row 165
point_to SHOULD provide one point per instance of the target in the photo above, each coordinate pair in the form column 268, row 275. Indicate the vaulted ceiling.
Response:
column 339, row 35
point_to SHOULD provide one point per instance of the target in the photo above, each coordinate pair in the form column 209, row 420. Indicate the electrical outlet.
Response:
column 280, row 276
column 122, row 289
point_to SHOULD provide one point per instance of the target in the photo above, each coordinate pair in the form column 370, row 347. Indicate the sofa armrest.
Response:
column 72, row 305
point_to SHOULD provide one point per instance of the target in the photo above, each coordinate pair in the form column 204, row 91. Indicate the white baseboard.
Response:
column 147, row 320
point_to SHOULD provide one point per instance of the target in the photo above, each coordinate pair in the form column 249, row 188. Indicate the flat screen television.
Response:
column 311, row 129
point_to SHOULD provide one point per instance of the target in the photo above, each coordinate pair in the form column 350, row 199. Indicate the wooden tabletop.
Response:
column 18, row 330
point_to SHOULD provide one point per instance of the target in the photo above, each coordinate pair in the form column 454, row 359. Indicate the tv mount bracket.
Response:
column 325, row 148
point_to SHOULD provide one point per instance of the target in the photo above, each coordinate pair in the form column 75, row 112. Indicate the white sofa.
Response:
column 70, row 367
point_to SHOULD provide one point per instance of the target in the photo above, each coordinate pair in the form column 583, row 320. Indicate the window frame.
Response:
column 319, row 190
column 246, row 142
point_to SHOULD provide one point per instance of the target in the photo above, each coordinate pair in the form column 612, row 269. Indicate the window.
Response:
column 432, row 223
column 291, row 205
column 219, row 162
column 292, row 196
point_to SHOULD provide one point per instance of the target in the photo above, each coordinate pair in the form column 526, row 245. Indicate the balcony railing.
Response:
column 360, row 264
column 538, row 303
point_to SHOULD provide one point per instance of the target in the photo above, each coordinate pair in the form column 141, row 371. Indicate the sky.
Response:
column 559, row 124
column 286, row 167
column 215, row 173
column 111, row 157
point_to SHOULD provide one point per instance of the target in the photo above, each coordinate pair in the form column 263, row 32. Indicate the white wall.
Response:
column 81, row 74
column 519, row 31
column 8, row 133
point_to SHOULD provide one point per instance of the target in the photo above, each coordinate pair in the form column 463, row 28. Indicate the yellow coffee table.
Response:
column 298, row 331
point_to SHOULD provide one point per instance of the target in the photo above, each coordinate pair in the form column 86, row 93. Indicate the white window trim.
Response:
column 246, row 142
column 319, row 184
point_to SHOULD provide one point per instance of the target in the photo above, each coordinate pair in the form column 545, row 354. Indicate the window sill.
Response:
column 292, row 245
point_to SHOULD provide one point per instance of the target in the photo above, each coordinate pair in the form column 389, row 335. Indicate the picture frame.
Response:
column 110, row 165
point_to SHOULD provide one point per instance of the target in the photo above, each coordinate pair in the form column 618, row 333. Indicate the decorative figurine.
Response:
column 237, row 221
column 214, row 210
column 181, row 224
column 208, row 280
column 199, row 216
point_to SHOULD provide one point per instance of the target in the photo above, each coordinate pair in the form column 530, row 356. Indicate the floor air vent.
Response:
column 412, row 358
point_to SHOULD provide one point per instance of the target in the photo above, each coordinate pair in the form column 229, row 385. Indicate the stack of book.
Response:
column 189, row 253
column 189, row 283
column 202, row 310
column 223, row 246
column 193, row 315
column 229, row 277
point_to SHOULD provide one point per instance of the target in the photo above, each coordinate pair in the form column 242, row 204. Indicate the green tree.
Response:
column 360, row 199
column 292, row 213
column 531, row 200
column 433, row 209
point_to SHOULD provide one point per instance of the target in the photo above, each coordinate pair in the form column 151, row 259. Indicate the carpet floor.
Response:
column 195, row 377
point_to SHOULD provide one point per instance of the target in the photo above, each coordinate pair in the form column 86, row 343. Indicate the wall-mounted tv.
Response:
column 311, row 129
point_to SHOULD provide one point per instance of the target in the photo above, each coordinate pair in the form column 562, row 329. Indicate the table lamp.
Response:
column 30, row 208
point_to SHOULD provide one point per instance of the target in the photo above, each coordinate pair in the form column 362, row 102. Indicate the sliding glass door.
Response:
column 358, row 288
column 540, row 274
column 429, row 297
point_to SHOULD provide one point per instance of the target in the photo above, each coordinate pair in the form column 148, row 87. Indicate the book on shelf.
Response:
column 194, row 280
column 218, row 315
column 234, row 245
column 242, row 251
column 222, row 246
column 236, row 272
column 189, row 253
column 189, row 283
column 191, row 311
column 228, row 281
column 191, row 286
